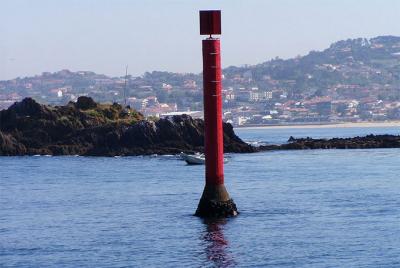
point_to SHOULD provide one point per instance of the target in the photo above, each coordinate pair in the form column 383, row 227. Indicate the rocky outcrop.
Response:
column 9, row 146
column 89, row 128
column 367, row 142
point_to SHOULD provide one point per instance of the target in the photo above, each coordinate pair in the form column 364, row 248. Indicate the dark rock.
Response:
column 27, row 107
column 9, row 146
column 216, row 209
column 85, row 103
column 86, row 128
column 367, row 142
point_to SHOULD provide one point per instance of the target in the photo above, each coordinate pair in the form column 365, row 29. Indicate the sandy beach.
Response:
column 333, row 125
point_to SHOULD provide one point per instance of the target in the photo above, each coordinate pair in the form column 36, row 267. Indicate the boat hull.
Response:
column 193, row 159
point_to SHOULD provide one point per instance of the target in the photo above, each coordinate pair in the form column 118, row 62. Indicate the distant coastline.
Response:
column 326, row 125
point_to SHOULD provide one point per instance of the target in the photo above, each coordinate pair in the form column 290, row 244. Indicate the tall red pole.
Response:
column 215, row 201
column 213, row 136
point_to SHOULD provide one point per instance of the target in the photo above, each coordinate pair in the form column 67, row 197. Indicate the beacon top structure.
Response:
column 210, row 22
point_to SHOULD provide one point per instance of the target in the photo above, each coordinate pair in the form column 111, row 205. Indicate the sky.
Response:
column 147, row 35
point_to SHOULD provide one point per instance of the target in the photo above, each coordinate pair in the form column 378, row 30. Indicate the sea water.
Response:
column 312, row 208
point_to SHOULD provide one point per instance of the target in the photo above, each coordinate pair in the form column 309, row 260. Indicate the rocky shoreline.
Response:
column 366, row 142
column 90, row 129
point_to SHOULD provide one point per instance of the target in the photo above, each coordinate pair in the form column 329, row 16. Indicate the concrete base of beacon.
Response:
column 216, row 203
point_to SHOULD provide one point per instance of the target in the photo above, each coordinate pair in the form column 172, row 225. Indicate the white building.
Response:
column 254, row 96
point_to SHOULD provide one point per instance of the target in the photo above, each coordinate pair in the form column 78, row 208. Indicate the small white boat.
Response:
column 196, row 159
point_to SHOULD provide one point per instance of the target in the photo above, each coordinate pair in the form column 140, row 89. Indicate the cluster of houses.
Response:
column 244, row 105
column 254, row 107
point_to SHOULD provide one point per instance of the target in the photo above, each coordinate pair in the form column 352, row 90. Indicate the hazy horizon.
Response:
column 103, row 37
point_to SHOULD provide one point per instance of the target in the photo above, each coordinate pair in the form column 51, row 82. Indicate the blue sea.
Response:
column 312, row 208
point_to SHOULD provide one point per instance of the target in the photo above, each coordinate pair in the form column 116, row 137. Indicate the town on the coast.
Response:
column 354, row 80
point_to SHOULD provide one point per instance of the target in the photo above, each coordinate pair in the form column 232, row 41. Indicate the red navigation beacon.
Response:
column 210, row 22
column 215, row 201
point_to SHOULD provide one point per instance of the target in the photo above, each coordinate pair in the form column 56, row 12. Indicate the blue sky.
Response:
column 104, row 36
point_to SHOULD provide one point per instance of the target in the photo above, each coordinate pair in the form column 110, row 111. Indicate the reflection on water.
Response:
column 216, row 245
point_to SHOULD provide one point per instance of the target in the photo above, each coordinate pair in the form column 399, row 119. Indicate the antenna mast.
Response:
column 126, row 76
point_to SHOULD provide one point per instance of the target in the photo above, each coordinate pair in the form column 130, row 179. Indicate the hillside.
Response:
column 355, row 79
column 372, row 64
